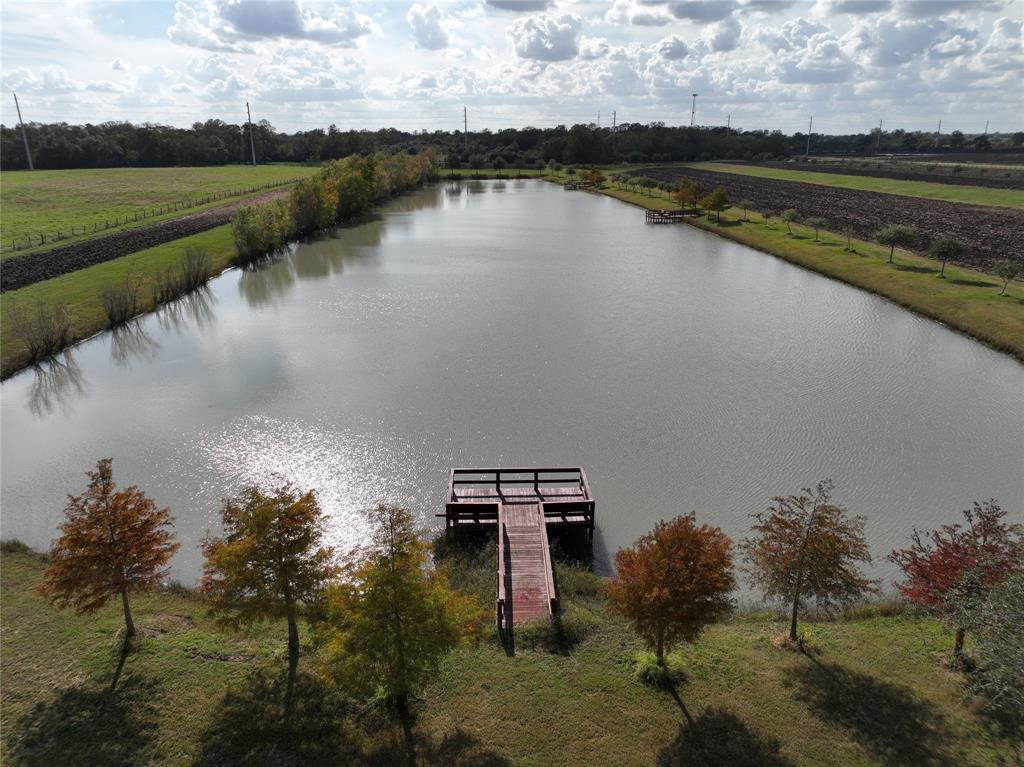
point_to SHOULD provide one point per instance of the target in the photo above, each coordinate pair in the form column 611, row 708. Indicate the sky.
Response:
column 302, row 64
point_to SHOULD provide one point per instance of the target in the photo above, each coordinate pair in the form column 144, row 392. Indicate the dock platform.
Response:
column 669, row 216
column 522, row 504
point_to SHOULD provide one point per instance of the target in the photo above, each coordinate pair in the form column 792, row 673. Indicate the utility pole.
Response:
column 252, row 142
column 938, row 133
column 465, row 129
column 24, row 136
column 693, row 110
column 728, row 121
column 986, row 127
column 614, row 123
column 878, row 140
column 810, row 128
column 598, row 118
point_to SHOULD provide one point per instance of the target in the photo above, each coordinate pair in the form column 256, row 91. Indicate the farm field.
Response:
column 988, row 232
column 887, row 184
column 967, row 300
column 988, row 176
column 28, row 268
column 48, row 201
column 876, row 693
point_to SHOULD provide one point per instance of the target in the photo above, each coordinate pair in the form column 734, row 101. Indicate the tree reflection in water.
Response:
column 195, row 308
column 58, row 382
column 130, row 342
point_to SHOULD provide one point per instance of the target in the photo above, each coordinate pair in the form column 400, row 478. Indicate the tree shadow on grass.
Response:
column 889, row 719
column 91, row 726
column 910, row 268
column 975, row 283
column 457, row 749
column 250, row 728
column 719, row 738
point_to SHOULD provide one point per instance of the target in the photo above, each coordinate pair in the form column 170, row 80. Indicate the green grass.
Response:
column 48, row 201
column 80, row 291
column 967, row 300
column 876, row 693
column 974, row 195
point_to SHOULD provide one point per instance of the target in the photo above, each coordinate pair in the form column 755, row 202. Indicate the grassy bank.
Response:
column 973, row 195
column 47, row 201
column 875, row 693
column 80, row 291
column 966, row 300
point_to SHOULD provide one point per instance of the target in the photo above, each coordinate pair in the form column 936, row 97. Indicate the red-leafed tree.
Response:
column 949, row 569
column 113, row 542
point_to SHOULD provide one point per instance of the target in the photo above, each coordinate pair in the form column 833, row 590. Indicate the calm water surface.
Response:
column 516, row 324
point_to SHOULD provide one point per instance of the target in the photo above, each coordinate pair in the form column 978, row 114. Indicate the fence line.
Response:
column 35, row 240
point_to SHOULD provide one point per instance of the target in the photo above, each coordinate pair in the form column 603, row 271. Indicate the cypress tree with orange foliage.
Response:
column 673, row 582
column 113, row 543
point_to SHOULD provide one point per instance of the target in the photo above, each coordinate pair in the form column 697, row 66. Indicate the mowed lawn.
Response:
column 875, row 693
column 47, row 201
column 974, row 195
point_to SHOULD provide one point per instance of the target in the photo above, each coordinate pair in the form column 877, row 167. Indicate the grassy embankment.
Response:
column 79, row 292
column 967, row 300
column 972, row 195
column 48, row 201
column 876, row 692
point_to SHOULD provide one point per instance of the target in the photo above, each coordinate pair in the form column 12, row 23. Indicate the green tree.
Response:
column 896, row 236
column 816, row 223
column 1006, row 270
column 806, row 547
column 673, row 581
column 746, row 205
column 790, row 215
column 716, row 202
column 944, row 249
column 391, row 618
column 270, row 563
column 112, row 543
column 999, row 677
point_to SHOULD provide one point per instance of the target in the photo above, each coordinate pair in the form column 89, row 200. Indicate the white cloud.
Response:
column 520, row 6
column 703, row 11
column 261, row 19
column 546, row 38
column 188, row 29
column 673, row 48
column 211, row 68
column 118, row 65
column 857, row 7
column 723, row 36
column 633, row 12
column 593, row 47
column 428, row 26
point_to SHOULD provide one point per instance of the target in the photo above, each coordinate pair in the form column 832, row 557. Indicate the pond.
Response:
column 516, row 324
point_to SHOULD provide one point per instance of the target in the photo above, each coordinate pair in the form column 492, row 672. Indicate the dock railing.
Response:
column 500, row 602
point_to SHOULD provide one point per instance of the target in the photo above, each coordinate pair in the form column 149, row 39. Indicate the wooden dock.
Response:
column 669, row 216
column 521, row 503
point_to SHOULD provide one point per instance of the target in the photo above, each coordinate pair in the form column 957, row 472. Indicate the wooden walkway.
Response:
column 669, row 216
column 521, row 503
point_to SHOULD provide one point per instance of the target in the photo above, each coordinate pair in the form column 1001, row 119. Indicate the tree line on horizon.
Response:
column 215, row 142
column 381, row 617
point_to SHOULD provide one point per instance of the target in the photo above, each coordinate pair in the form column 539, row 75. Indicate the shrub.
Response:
column 121, row 302
column 558, row 633
column 43, row 328
column 646, row 669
